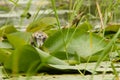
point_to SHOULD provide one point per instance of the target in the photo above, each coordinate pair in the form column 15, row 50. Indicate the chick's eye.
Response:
column 37, row 35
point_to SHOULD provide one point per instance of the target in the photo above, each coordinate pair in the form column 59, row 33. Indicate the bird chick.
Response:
column 38, row 38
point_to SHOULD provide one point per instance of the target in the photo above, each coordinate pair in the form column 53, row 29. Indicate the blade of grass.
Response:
column 25, row 11
column 114, row 71
column 57, row 18
column 11, row 11
column 107, row 49
column 14, row 2
column 76, row 7
column 100, row 15
column 55, row 11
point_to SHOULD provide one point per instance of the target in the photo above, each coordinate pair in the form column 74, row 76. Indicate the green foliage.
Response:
column 77, row 43
column 64, row 46
column 4, row 54
column 45, row 23
column 107, row 49
column 22, row 59
column 5, row 44
column 4, row 8
column 19, row 39
column 85, row 26
column 7, row 29
column 82, row 43
column 48, row 59
column 112, row 27
column 27, row 58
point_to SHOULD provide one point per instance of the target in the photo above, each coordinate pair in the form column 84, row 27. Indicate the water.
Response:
column 12, row 14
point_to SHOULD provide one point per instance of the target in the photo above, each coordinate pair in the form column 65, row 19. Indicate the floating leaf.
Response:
column 27, row 58
column 47, row 58
column 74, row 41
column 86, row 45
column 22, row 59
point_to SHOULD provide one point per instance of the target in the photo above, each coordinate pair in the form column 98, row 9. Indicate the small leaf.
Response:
column 7, row 29
column 42, row 24
column 5, row 45
column 113, row 27
column 4, row 54
column 47, row 58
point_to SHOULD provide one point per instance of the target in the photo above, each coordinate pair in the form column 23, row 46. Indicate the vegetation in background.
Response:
column 67, row 46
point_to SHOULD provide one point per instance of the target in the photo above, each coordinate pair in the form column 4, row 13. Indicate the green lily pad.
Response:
column 48, row 59
column 27, row 58
column 74, row 41
column 22, row 59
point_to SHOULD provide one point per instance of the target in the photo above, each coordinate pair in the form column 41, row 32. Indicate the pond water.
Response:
column 11, row 13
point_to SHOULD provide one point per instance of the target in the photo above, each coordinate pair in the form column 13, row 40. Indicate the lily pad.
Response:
column 27, row 58
column 22, row 59
column 74, row 41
